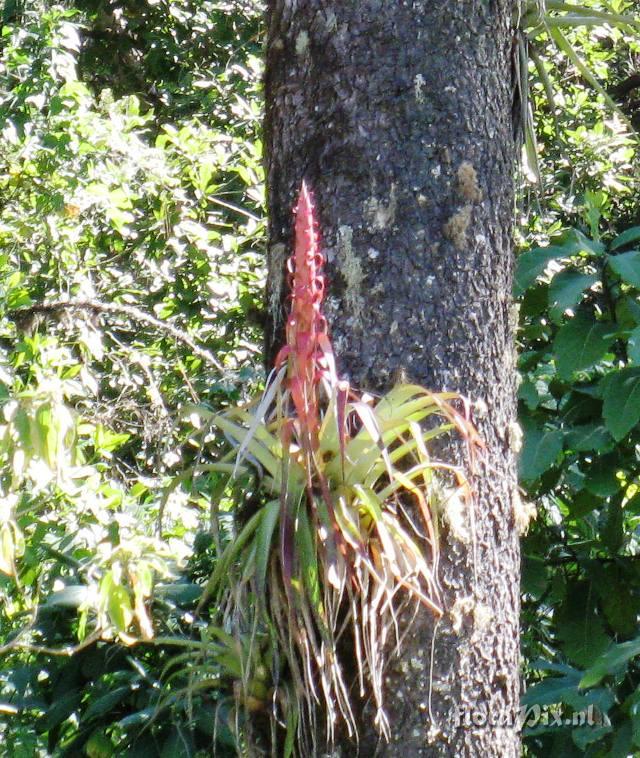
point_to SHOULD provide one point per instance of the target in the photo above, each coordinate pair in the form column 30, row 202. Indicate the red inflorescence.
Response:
column 307, row 350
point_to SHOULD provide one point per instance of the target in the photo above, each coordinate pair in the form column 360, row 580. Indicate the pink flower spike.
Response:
column 309, row 353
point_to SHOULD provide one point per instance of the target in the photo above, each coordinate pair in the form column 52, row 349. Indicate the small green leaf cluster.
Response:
column 572, row 69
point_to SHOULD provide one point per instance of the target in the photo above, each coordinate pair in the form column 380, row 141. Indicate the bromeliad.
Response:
column 347, row 535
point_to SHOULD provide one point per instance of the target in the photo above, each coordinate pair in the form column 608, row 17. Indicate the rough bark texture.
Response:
column 399, row 116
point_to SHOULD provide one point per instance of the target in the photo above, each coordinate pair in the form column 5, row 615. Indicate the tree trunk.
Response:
column 398, row 114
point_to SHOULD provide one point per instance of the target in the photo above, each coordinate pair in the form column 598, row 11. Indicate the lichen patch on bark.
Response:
column 456, row 227
column 351, row 270
column 302, row 42
column 523, row 513
column 381, row 214
column 278, row 257
column 455, row 515
column 515, row 436
column 468, row 185
column 462, row 608
column 330, row 21
column 480, row 408
column 482, row 617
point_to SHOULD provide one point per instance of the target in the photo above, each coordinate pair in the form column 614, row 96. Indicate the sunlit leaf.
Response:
column 625, row 238
column 540, row 451
column 580, row 343
column 611, row 662
column 627, row 266
column 566, row 289
column 119, row 607
column 621, row 410
column 532, row 263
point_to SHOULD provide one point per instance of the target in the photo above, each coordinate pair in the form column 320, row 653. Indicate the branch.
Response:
column 23, row 315
column 66, row 651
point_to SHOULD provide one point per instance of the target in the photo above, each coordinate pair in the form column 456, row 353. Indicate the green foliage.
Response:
column 583, row 148
column 144, row 207
column 580, row 412
column 567, row 54
column 579, row 406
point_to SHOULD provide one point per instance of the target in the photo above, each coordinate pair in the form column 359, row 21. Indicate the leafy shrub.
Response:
column 123, row 236
column 580, row 414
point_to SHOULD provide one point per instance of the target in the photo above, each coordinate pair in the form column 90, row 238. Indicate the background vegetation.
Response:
column 131, row 184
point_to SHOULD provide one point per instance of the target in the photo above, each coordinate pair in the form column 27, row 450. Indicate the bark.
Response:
column 399, row 116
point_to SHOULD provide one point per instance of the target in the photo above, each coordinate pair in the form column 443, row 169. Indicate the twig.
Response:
column 114, row 309
column 66, row 651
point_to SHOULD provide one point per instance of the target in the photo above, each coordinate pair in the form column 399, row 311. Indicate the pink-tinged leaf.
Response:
column 328, row 358
column 423, row 506
column 283, row 355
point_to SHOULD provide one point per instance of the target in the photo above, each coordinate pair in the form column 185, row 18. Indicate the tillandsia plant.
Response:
column 347, row 532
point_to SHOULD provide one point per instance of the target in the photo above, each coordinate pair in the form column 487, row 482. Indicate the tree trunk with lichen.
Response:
column 398, row 114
